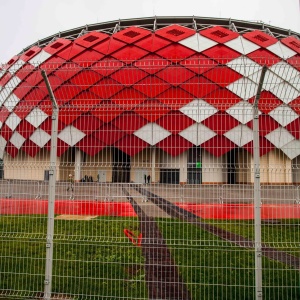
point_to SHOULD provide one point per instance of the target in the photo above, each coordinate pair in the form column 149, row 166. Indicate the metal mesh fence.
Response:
column 155, row 180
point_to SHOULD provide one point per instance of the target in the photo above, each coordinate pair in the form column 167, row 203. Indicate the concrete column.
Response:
column 153, row 159
column 213, row 168
column 183, row 167
column 78, row 160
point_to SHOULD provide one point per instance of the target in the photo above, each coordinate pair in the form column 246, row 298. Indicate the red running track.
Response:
column 124, row 209
column 242, row 211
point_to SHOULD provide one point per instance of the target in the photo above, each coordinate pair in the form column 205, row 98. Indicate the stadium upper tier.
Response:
column 172, row 83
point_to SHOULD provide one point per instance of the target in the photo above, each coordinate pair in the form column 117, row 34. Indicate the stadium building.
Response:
column 169, row 97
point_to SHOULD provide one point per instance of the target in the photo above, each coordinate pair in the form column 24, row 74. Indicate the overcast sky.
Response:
column 23, row 22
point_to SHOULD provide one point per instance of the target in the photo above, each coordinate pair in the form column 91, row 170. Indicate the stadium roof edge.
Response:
column 161, row 21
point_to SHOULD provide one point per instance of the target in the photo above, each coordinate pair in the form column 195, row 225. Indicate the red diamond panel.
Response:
column 199, row 86
column 153, row 43
column 109, row 134
column 29, row 54
column 175, row 32
column 128, row 98
column 175, row 98
column 107, row 66
column 218, row 145
column 11, row 150
column 152, row 110
column 23, row 72
column 25, row 129
column 152, row 63
column 151, row 86
column 90, row 39
column 90, row 145
column 87, row 58
column 55, row 82
column 129, row 122
column 264, row 57
column 198, row 63
column 67, row 71
column 85, row 101
column 219, row 34
column 6, row 132
column 220, row 122
column 221, row 54
column 46, row 106
column 11, row 62
column 266, row 124
column 264, row 146
column 34, row 78
column 52, row 64
column 34, row 96
column 109, row 46
column 65, row 93
column 222, row 99
column 131, row 145
column 58, row 45
column 62, row 147
column 107, row 111
column 174, row 145
column 222, row 76
column 47, row 125
column 4, row 79
column 70, row 51
column 175, row 52
column 87, row 123
column 24, row 108
column 295, row 105
column 175, row 122
column 22, row 89
column 68, row 114
column 30, row 148
column 128, row 76
column 267, row 102
column 85, row 79
column 294, row 127
column 292, row 43
column 175, row 75
column 106, row 88
column 295, row 61
column 260, row 38
column 4, row 112
column 129, row 54
column 132, row 34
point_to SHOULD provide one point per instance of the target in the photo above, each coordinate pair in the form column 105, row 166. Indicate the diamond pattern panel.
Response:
column 40, row 137
column 30, row 148
column 198, row 63
column 221, row 54
column 153, row 43
column 266, row 125
column 279, row 137
column 17, row 140
column 25, row 129
column 129, row 54
column 131, row 144
column 36, row 117
column 242, row 45
column 129, row 122
column 175, row 52
column 293, row 128
column 106, row 88
column 292, row 149
column 167, row 145
column 129, row 76
column 107, row 66
column 240, row 135
column 87, row 123
column 242, row 111
column 198, row 110
column 260, row 38
column 197, row 134
column 281, row 50
column 71, row 135
column 109, row 46
column 39, row 58
column 106, row 111
column 128, row 98
column 292, row 42
column 56, row 46
column 219, row 34
column 29, row 54
column 13, row 121
column 132, row 34
column 244, row 88
column 86, row 79
column 198, row 43
column 2, row 146
column 244, row 66
column 151, row 63
column 175, row 75
column 109, row 139
column 218, row 145
column 267, row 102
column 90, row 39
column 283, row 115
column 285, row 92
column 87, row 58
column 175, row 33
column 264, row 57
column 70, row 51
column 90, row 145
column 152, row 133
column 264, row 146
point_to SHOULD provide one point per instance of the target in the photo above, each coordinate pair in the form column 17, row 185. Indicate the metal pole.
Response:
column 51, row 197
column 257, row 191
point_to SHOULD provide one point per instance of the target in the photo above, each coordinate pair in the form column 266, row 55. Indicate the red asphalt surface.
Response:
column 124, row 209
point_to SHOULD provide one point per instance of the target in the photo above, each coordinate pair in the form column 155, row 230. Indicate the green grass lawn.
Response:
column 93, row 259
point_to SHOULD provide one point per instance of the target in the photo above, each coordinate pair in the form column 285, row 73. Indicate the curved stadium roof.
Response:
column 159, row 81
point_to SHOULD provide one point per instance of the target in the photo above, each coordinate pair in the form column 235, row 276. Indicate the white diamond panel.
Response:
column 240, row 135
column 2, row 146
column 292, row 149
column 152, row 133
column 71, row 135
column 17, row 140
column 284, row 70
column 11, row 102
column 198, row 43
column 244, row 66
column 13, row 121
column 283, row 115
column 285, row 92
column 198, row 110
column 281, row 50
column 279, row 137
column 270, row 80
column 16, row 66
column 243, row 87
column 36, row 117
column 241, row 111
column 197, row 134
column 39, row 58
column 242, row 45
column 40, row 137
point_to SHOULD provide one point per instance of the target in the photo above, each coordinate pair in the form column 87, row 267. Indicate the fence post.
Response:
column 51, row 197
column 257, row 192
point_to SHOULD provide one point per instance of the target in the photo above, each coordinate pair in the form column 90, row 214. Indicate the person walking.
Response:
column 145, row 178
column 71, row 183
column 148, row 178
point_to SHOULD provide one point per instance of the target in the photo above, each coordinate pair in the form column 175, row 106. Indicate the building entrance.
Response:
column 121, row 166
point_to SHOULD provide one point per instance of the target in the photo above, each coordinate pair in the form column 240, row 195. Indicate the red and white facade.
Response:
column 155, row 94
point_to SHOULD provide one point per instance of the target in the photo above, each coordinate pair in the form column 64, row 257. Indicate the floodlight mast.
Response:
column 51, row 196
column 257, row 191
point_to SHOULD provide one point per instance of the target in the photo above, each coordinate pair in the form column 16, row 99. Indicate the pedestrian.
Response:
column 148, row 178
column 145, row 177
column 71, row 183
